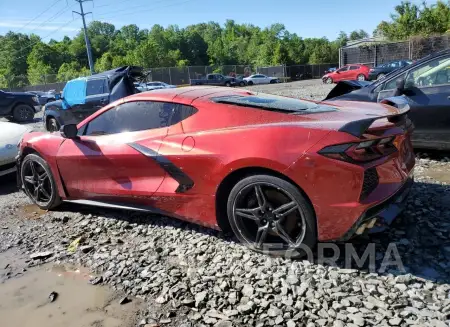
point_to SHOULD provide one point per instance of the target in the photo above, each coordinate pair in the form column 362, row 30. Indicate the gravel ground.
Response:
column 192, row 276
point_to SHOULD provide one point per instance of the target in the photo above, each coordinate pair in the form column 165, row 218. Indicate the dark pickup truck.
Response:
column 20, row 106
column 215, row 79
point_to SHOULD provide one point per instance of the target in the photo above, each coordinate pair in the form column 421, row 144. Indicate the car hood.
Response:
column 344, row 87
column 11, row 133
column 22, row 94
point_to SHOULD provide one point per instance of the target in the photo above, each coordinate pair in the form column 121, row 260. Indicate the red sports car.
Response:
column 347, row 73
column 281, row 173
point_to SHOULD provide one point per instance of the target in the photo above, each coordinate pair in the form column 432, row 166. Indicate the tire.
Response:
column 241, row 84
column 250, row 83
column 361, row 77
column 329, row 80
column 227, row 84
column 380, row 76
column 53, row 125
column 273, row 81
column 23, row 113
column 246, row 217
column 38, row 182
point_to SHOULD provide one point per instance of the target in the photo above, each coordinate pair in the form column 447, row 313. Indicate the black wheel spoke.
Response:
column 29, row 179
column 248, row 213
column 36, row 193
column 45, row 193
column 33, row 169
column 262, row 202
column 261, row 235
column 285, row 209
column 279, row 230
column 43, row 176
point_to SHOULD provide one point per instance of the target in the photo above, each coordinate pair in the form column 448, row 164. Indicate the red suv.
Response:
column 348, row 72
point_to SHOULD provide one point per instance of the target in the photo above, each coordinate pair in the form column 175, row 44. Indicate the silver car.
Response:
column 10, row 136
column 260, row 79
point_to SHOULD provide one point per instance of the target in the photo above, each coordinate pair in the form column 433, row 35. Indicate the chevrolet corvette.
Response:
column 280, row 173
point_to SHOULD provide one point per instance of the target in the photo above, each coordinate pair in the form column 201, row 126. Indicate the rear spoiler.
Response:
column 359, row 127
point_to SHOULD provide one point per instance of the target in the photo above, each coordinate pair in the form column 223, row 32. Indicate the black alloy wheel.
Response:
column 270, row 215
column 23, row 113
column 38, row 182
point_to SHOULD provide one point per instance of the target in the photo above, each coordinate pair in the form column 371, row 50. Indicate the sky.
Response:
column 308, row 18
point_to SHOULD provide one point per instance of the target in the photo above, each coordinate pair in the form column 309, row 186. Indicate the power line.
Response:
column 121, row 10
column 49, row 19
column 43, row 12
column 43, row 38
column 145, row 10
column 108, row 5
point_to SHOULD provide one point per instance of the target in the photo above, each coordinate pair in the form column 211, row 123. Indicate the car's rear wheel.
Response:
column 271, row 215
column 250, row 83
column 361, row 77
column 38, row 182
column 241, row 84
column 380, row 76
column 329, row 80
column 228, row 84
column 273, row 81
column 53, row 125
column 23, row 112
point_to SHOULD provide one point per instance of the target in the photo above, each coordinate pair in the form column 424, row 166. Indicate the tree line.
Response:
column 27, row 59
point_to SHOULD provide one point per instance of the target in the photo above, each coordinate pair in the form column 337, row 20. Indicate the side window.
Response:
column 394, row 64
column 434, row 72
column 392, row 84
column 181, row 112
column 343, row 69
column 138, row 116
column 95, row 86
column 354, row 68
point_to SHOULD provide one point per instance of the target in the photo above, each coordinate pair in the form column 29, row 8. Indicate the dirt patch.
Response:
column 31, row 211
column 24, row 301
column 439, row 174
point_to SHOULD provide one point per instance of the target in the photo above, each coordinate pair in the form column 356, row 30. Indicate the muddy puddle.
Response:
column 24, row 300
column 31, row 211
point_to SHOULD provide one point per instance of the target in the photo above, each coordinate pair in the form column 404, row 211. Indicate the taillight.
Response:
column 360, row 152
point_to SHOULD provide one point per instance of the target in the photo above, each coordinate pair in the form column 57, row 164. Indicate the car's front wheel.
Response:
column 38, row 182
column 227, row 84
column 23, row 113
column 271, row 215
column 361, row 77
column 241, row 84
column 329, row 80
column 250, row 83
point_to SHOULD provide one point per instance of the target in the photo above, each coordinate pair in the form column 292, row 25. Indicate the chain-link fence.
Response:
column 301, row 72
column 375, row 54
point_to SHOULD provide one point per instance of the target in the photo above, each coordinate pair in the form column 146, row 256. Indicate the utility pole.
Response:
column 86, row 38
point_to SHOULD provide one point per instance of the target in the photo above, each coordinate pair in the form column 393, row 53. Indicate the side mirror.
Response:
column 69, row 131
column 400, row 84
column 58, row 96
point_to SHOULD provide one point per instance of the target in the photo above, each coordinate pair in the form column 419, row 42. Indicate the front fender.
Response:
column 47, row 146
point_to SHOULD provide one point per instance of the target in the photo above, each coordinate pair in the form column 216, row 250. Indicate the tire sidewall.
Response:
column 361, row 79
column 329, row 80
column 310, row 239
column 250, row 83
column 55, row 198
